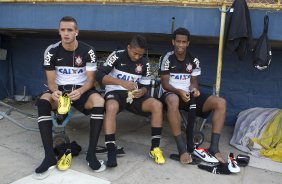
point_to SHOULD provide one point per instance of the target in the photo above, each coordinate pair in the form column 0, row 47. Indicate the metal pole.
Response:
column 220, row 49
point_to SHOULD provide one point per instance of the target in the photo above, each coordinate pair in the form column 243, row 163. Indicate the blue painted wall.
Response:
column 242, row 85
column 127, row 18
column 27, row 61
column 4, row 70
column 4, row 76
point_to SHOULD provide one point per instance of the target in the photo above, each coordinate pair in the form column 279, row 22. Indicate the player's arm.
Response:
column 109, row 80
column 49, row 67
column 194, row 82
column 143, row 88
column 52, row 86
column 144, row 82
column 89, row 84
column 51, row 78
column 91, row 66
column 103, row 77
column 194, row 86
column 169, row 87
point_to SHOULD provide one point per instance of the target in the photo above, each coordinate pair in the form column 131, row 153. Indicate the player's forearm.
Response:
column 194, row 83
column 109, row 80
column 172, row 89
column 144, row 90
column 89, row 84
column 52, row 86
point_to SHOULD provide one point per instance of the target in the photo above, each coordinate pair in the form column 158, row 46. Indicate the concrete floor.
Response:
column 21, row 152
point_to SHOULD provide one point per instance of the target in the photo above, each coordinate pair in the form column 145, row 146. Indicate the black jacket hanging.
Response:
column 238, row 29
column 262, row 52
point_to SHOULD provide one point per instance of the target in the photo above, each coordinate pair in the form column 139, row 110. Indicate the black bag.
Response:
column 262, row 51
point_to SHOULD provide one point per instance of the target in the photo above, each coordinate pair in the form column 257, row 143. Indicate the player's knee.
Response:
column 46, row 96
column 157, row 105
column 44, row 107
column 221, row 103
column 172, row 101
column 111, row 107
column 99, row 100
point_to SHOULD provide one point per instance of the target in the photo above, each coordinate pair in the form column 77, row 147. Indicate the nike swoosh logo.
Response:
column 122, row 64
column 203, row 156
column 59, row 59
column 173, row 66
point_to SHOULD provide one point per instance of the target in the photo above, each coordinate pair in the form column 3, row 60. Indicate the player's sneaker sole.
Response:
column 102, row 168
column 41, row 176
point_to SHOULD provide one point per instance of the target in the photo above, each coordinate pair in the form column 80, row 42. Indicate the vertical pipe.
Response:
column 278, row 5
column 220, row 49
column 172, row 24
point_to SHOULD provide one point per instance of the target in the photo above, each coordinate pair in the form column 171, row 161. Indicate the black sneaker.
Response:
column 219, row 169
column 120, row 151
column 242, row 160
column 103, row 150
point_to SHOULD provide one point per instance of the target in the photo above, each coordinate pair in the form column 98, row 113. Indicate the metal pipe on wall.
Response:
column 220, row 49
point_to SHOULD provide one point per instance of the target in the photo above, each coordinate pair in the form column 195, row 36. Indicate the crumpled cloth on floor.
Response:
column 271, row 139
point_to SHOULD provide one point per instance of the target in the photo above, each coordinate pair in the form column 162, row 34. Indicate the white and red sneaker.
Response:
column 232, row 164
column 203, row 154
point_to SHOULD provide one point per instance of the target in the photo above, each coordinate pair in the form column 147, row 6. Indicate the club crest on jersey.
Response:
column 138, row 68
column 78, row 60
column 189, row 67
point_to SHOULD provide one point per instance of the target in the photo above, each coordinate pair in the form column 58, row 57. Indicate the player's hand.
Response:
column 56, row 94
column 74, row 95
column 137, row 93
column 129, row 85
column 184, row 95
column 196, row 92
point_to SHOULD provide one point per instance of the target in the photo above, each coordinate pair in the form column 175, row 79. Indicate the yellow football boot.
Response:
column 65, row 162
column 64, row 104
column 157, row 155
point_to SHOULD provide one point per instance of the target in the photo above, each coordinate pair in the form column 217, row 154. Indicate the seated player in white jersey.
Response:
column 126, row 76
column 69, row 66
column 179, row 71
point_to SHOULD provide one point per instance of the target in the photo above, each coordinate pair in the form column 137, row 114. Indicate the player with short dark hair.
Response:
column 126, row 75
column 69, row 66
column 179, row 71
